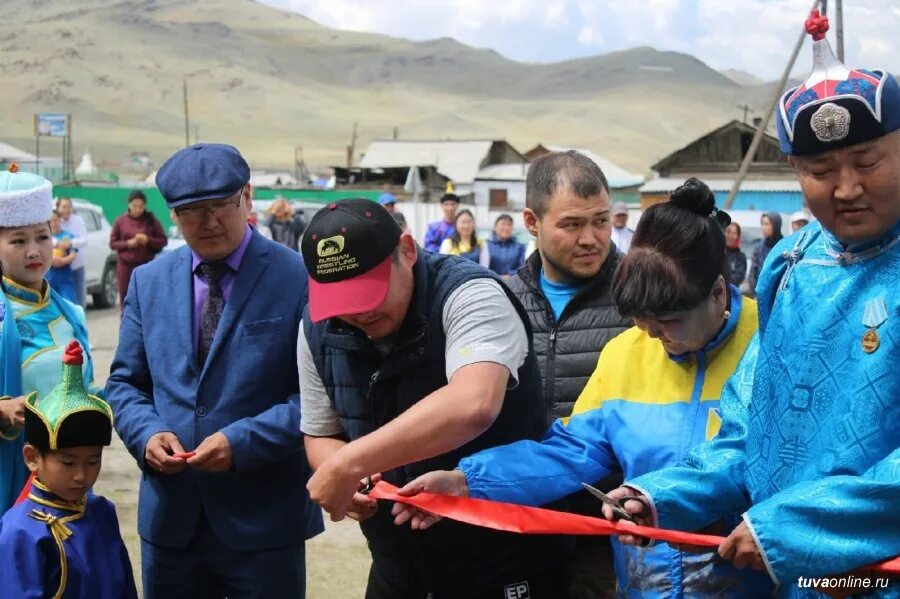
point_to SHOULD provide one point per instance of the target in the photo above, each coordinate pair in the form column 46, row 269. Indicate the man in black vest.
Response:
column 408, row 362
column 566, row 289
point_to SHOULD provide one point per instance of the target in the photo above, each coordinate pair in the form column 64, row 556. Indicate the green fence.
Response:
column 114, row 200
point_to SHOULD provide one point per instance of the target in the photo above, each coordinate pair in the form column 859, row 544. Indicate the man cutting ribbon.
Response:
column 808, row 449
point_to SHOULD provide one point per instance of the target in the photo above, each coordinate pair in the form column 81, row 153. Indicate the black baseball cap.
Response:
column 347, row 250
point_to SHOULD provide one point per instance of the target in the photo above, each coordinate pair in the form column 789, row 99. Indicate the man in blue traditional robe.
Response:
column 809, row 451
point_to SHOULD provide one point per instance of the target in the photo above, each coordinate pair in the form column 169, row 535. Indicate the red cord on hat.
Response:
column 13, row 167
column 816, row 25
column 73, row 355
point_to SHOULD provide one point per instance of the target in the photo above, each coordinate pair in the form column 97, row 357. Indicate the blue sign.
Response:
column 51, row 125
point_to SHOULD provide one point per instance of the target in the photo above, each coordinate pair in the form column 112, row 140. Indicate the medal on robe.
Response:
column 873, row 317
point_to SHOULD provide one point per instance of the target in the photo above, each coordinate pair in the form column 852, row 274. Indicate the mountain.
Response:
column 742, row 77
column 268, row 80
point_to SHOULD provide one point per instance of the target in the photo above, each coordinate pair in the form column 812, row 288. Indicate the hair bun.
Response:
column 723, row 218
column 694, row 196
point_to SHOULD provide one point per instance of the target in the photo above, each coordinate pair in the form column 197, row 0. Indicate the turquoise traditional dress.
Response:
column 30, row 355
column 809, row 449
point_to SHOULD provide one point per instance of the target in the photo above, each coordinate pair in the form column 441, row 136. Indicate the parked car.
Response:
column 176, row 239
column 99, row 260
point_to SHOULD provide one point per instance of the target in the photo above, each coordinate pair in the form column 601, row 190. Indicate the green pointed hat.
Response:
column 68, row 416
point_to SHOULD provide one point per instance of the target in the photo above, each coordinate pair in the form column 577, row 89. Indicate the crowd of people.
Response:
column 256, row 385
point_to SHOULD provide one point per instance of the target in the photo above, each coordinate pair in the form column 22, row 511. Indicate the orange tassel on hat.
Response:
column 13, row 167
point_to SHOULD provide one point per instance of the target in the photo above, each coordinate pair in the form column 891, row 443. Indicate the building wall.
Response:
column 649, row 199
column 629, row 195
column 502, row 153
column 764, row 201
column 724, row 152
column 785, row 202
column 515, row 193
column 732, row 173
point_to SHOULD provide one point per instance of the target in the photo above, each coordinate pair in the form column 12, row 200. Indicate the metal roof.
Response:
column 615, row 174
column 503, row 172
column 668, row 184
column 457, row 160
column 9, row 153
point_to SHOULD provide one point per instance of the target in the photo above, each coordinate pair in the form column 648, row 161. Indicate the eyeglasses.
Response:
column 196, row 214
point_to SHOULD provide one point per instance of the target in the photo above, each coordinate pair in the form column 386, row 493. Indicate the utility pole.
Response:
column 68, row 167
column 187, row 121
column 746, row 108
column 301, row 173
column 351, row 149
column 839, row 23
column 757, row 138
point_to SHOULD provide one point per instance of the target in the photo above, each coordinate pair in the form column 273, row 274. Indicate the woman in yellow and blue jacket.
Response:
column 653, row 396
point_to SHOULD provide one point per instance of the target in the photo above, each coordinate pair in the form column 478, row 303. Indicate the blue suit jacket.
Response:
column 248, row 389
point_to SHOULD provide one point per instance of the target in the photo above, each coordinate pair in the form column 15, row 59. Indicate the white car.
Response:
column 99, row 260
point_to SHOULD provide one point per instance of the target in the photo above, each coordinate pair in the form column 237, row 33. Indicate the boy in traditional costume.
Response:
column 35, row 321
column 62, row 541
column 809, row 449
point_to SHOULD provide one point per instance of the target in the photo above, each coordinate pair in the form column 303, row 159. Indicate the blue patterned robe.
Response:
column 51, row 548
column 809, row 449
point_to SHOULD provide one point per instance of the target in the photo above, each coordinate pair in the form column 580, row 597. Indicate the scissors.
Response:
column 617, row 505
column 367, row 487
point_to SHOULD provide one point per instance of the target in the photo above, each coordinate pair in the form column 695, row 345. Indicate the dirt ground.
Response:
column 337, row 561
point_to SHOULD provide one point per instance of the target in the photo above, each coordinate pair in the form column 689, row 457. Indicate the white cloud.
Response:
column 555, row 13
column 753, row 35
column 588, row 37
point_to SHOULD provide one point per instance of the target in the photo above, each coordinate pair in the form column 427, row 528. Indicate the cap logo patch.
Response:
column 332, row 259
column 830, row 122
column 330, row 246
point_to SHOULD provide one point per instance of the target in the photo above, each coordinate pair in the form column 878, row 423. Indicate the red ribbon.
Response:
column 533, row 520
column 23, row 494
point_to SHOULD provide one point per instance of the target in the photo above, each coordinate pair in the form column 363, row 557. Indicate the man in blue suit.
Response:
column 205, row 394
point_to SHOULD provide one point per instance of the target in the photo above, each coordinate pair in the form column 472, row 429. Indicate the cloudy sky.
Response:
column 753, row 35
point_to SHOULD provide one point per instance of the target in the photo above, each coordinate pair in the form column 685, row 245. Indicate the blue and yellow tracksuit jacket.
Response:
column 642, row 409
column 809, row 449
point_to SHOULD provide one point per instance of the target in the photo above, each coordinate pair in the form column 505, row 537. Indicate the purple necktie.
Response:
column 213, row 305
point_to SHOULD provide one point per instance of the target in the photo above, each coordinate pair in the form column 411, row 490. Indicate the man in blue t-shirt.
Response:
column 565, row 287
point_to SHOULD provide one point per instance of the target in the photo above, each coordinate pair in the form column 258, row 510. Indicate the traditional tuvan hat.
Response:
column 68, row 416
column 837, row 106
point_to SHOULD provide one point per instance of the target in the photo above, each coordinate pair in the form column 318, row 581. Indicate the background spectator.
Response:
column 771, row 234
column 440, row 230
column 621, row 234
column 737, row 260
column 507, row 254
column 60, row 275
column 137, row 236
column 74, row 224
column 464, row 241
column 285, row 225
column 799, row 220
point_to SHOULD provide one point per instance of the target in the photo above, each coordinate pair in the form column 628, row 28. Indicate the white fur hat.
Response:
column 801, row 215
column 25, row 198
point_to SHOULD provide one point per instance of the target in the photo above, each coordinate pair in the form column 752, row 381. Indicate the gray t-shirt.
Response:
column 480, row 325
